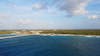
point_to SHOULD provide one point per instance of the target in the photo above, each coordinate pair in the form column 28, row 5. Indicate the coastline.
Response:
column 12, row 36
column 66, row 35
column 19, row 35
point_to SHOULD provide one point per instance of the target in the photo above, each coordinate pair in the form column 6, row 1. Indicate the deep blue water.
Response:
column 35, row 45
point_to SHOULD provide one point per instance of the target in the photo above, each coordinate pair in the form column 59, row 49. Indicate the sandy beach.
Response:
column 19, row 35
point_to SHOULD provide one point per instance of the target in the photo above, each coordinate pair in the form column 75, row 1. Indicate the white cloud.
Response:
column 38, row 6
column 4, row 16
column 21, row 8
column 74, row 7
column 93, row 16
column 25, row 21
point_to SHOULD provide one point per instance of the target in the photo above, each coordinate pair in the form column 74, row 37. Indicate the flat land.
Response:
column 76, row 32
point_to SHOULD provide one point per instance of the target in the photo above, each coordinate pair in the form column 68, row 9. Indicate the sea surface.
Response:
column 37, row 45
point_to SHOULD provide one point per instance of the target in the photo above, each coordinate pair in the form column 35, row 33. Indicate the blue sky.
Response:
column 49, row 14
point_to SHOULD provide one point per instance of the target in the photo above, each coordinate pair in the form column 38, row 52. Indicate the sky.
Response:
column 49, row 14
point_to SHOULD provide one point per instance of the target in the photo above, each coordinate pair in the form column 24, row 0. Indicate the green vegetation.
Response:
column 82, row 32
column 76, row 32
column 5, row 32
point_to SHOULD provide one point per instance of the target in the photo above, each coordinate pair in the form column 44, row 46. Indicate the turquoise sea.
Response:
column 37, row 45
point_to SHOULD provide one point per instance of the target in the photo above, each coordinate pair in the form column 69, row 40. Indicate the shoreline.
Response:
column 6, row 37
column 19, row 35
column 65, row 35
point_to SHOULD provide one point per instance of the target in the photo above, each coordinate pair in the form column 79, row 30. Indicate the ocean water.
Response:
column 4, row 35
column 36, row 45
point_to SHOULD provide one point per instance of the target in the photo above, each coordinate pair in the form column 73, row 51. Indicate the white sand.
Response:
column 50, row 35
column 12, row 36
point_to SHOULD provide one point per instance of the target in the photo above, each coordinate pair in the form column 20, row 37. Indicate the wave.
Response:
column 5, row 37
column 13, row 36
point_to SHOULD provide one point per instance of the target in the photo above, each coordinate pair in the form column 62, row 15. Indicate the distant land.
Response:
column 56, row 31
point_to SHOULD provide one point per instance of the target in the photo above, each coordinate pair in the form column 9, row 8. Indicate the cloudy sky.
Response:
column 49, row 14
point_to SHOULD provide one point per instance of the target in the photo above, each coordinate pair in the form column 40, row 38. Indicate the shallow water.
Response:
column 5, row 35
column 35, row 45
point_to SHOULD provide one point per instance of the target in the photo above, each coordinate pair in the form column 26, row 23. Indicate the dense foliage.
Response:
column 83, row 32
